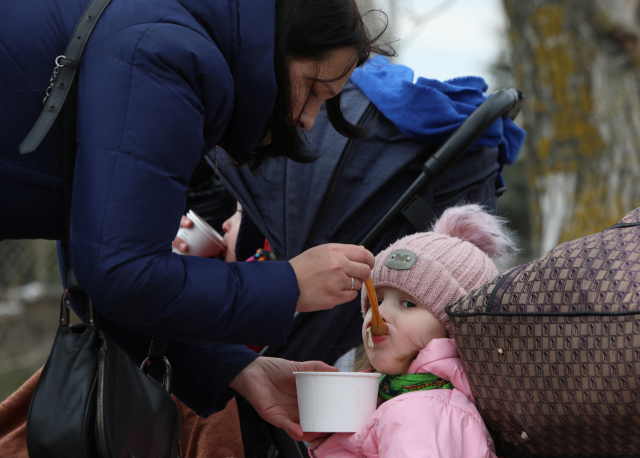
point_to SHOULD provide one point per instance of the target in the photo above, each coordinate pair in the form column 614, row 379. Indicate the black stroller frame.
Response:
column 502, row 103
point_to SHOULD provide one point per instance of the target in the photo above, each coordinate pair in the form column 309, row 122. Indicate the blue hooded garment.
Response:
column 429, row 110
column 160, row 84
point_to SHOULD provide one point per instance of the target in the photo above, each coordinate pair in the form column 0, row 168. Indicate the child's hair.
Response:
column 460, row 253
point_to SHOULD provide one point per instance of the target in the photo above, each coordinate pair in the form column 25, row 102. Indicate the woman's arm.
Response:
column 141, row 118
column 140, row 129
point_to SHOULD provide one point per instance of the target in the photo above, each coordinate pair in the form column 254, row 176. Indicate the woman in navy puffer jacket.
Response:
column 160, row 85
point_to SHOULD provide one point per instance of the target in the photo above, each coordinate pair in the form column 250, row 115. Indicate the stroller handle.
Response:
column 505, row 102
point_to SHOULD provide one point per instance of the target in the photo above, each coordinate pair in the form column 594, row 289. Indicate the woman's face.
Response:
column 410, row 328
column 305, row 90
column 231, row 227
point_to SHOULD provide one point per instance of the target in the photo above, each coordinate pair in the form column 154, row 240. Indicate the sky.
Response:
column 463, row 37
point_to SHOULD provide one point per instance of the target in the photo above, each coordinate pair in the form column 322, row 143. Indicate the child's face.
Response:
column 410, row 328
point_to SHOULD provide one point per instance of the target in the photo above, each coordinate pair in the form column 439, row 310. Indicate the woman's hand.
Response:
column 178, row 242
column 324, row 275
column 270, row 387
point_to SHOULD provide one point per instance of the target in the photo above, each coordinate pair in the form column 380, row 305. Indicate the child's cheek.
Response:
column 416, row 336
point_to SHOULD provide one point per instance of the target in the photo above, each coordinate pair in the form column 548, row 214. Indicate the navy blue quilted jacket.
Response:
column 160, row 84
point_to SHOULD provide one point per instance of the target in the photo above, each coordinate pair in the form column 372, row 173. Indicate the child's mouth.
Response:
column 378, row 339
column 374, row 340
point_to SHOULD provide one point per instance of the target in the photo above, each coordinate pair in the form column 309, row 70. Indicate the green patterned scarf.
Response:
column 394, row 385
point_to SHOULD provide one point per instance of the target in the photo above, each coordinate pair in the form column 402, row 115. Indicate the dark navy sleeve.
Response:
column 203, row 371
column 143, row 116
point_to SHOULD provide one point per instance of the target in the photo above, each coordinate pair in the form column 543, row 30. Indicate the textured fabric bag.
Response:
column 552, row 348
column 92, row 401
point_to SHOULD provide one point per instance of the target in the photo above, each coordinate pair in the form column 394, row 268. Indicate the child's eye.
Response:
column 379, row 302
column 408, row 304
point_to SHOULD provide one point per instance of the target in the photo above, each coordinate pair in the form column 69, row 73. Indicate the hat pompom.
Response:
column 486, row 231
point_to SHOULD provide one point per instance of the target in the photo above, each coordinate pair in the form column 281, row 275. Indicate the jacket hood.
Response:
column 244, row 31
column 441, row 357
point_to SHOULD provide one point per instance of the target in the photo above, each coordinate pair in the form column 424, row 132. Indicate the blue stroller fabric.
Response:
column 429, row 110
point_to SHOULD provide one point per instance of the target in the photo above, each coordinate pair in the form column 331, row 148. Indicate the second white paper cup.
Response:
column 332, row 402
column 203, row 240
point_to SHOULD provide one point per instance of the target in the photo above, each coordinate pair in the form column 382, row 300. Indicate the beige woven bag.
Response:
column 552, row 349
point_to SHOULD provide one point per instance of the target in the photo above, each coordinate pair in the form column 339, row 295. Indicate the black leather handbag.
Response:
column 91, row 400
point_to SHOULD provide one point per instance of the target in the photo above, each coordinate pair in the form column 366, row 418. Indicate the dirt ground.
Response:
column 25, row 342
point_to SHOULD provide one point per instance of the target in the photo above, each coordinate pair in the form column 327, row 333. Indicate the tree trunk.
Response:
column 577, row 62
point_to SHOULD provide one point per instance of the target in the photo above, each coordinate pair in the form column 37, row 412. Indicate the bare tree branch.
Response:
column 408, row 11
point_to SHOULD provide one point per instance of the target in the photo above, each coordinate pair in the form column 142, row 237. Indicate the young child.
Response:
column 427, row 407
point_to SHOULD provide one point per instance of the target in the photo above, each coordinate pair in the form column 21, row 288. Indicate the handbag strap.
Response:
column 157, row 355
column 63, row 75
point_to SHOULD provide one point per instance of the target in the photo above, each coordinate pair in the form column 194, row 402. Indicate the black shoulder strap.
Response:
column 63, row 76
column 62, row 85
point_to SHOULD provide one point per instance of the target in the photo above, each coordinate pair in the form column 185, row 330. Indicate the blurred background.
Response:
column 577, row 62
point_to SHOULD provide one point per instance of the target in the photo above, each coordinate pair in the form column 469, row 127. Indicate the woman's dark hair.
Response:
column 311, row 29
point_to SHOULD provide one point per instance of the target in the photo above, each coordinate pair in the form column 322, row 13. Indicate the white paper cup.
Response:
column 336, row 402
column 203, row 240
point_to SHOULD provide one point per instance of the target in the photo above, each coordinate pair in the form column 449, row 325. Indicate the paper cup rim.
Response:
column 206, row 228
column 341, row 374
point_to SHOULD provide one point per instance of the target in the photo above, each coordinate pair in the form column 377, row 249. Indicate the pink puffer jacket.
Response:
column 436, row 423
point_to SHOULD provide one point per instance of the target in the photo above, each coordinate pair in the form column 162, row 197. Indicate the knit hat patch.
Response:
column 401, row 260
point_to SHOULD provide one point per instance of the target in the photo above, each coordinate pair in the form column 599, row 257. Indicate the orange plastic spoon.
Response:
column 378, row 326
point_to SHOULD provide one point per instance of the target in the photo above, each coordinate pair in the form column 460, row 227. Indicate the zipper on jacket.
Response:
column 102, row 434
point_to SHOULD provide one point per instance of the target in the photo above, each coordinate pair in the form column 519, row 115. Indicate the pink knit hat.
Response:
column 439, row 267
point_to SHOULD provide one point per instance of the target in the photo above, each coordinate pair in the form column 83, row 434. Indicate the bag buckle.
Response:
column 168, row 374
column 157, row 352
column 65, row 305
column 53, row 78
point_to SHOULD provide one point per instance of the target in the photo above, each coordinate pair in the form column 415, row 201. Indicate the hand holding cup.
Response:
column 197, row 238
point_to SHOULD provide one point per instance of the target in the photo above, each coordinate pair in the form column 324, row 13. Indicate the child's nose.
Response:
column 226, row 226
column 383, row 310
